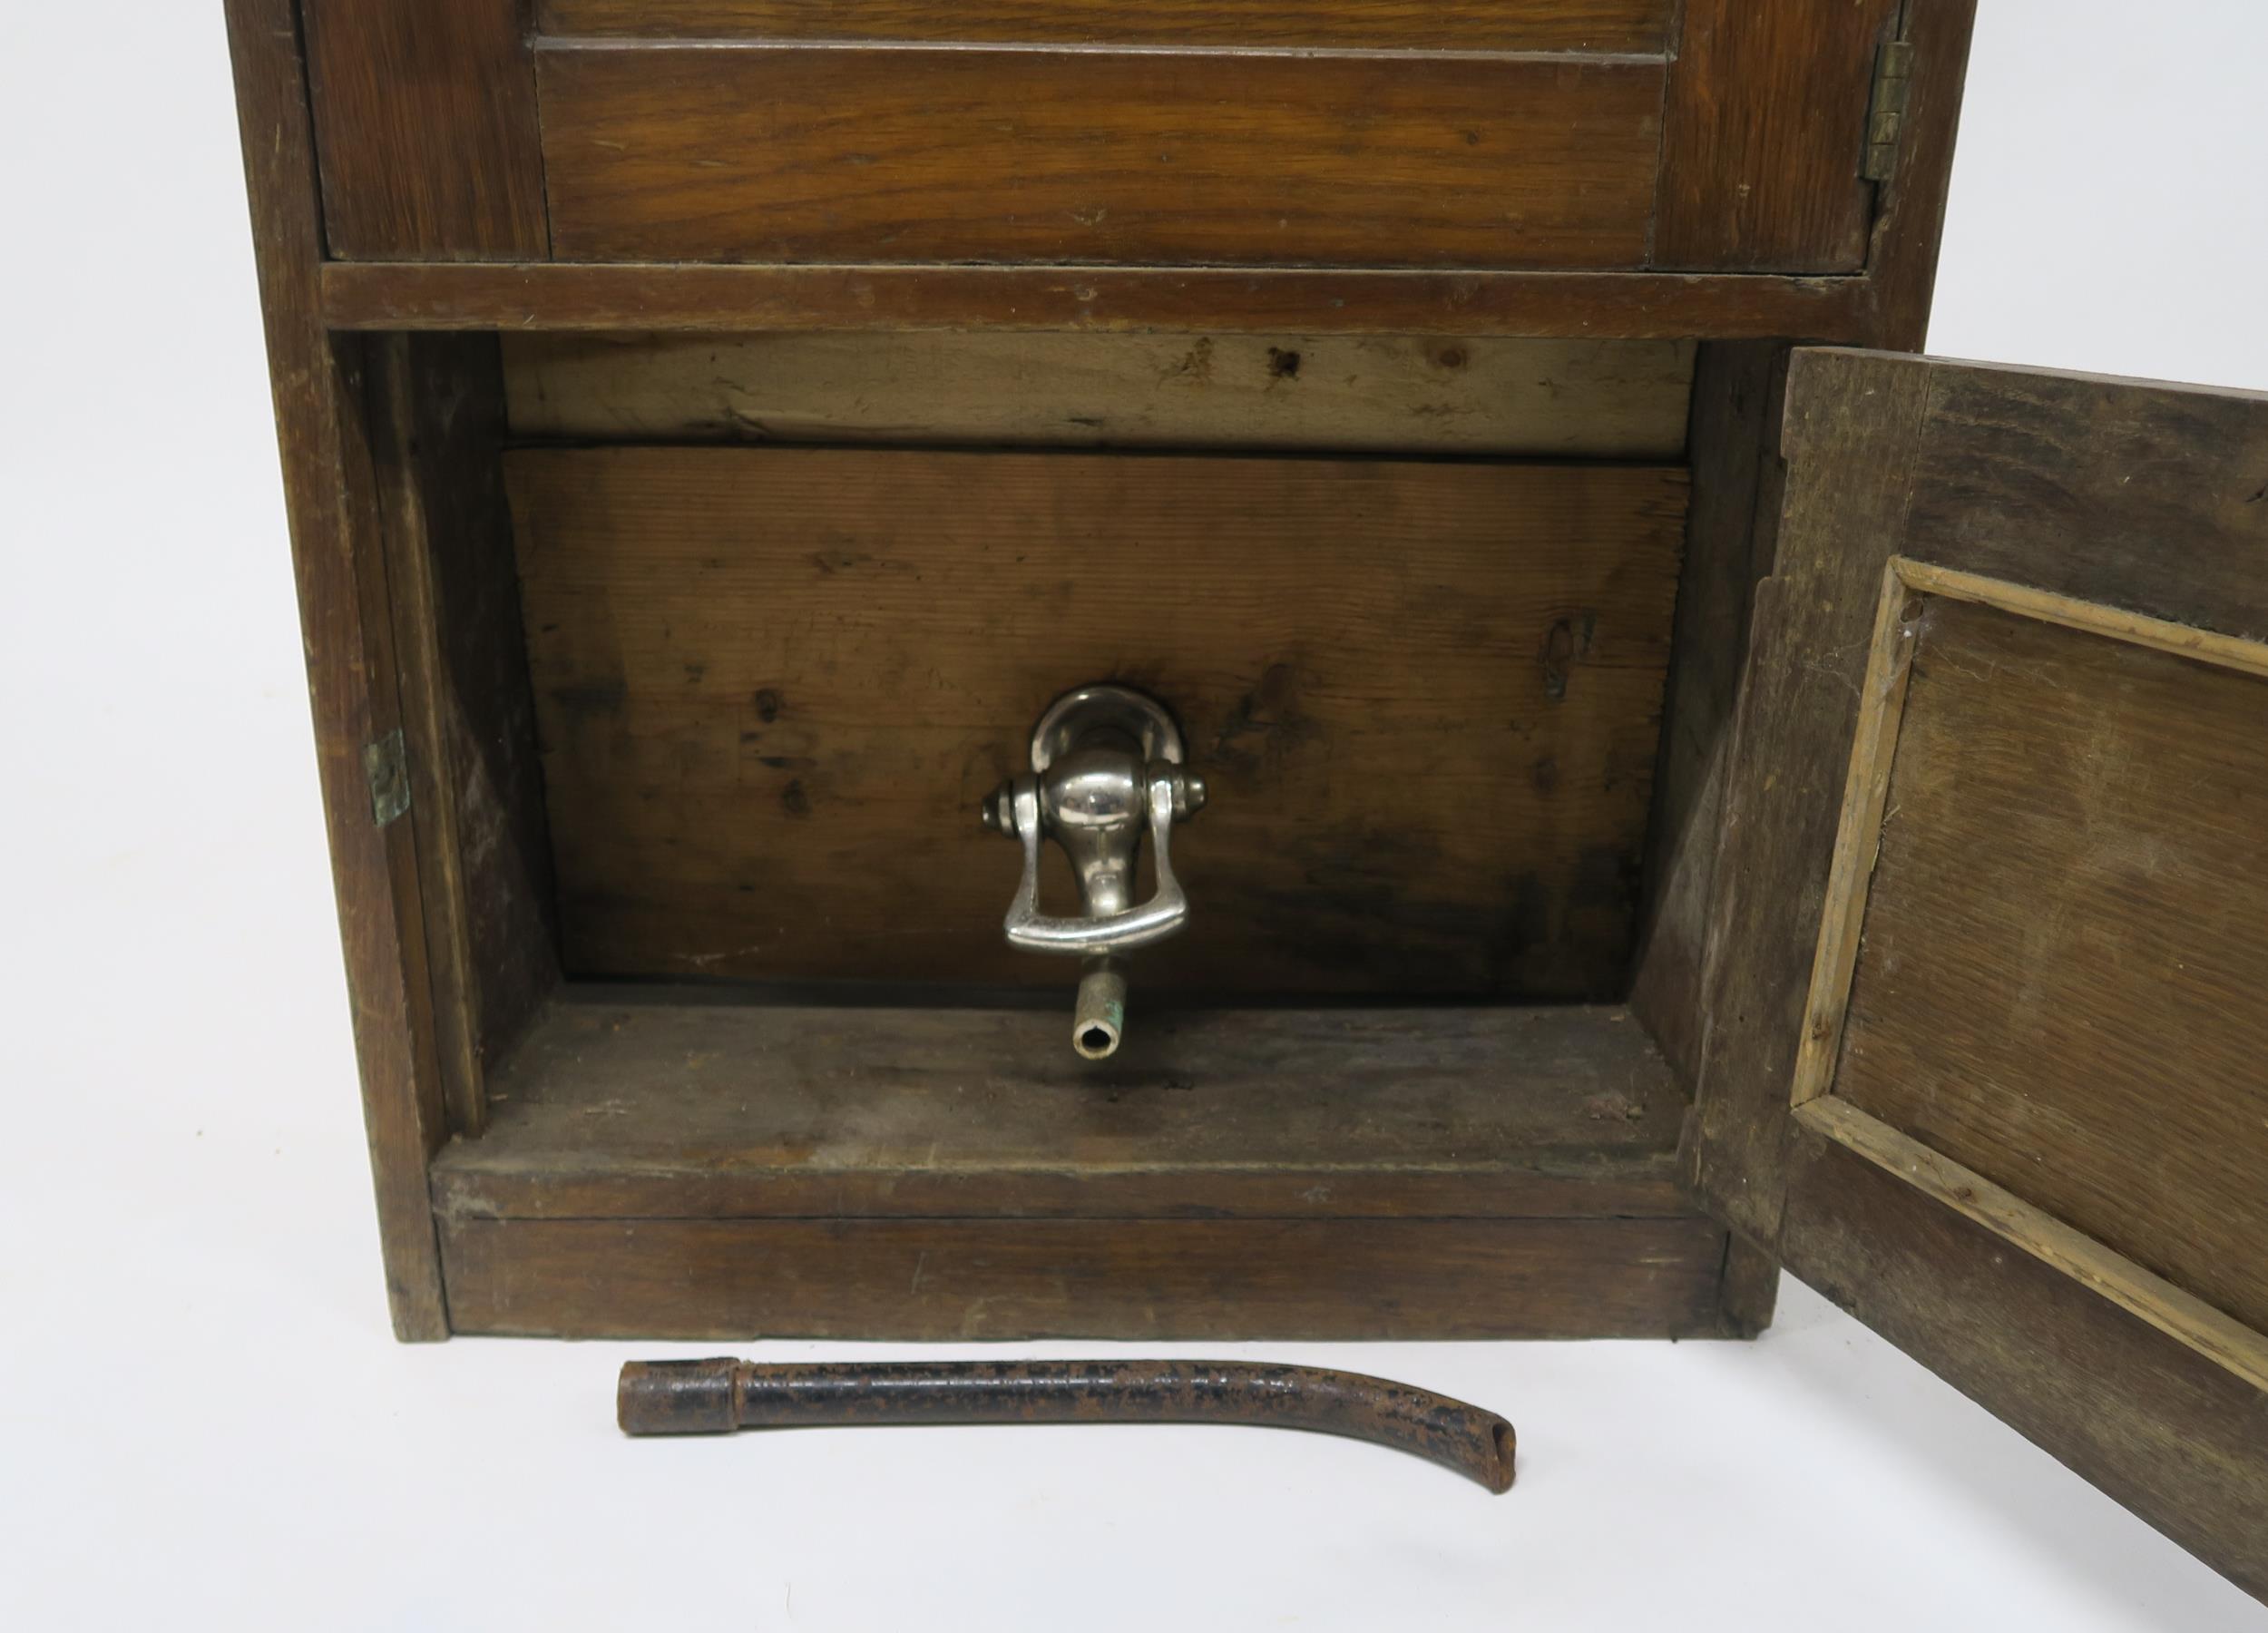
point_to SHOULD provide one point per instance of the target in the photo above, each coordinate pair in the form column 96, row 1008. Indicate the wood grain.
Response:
column 484, row 852
column 425, row 113
column 2133, row 498
column 1594, row 398
column 954, row 1280
column 1909, row 208
column 809, row 153
column 1734, row 454
column 395, row 452
column 1592, row 25
column 2067, row 940
column 729, row 299
column 1851, row 420
column 773, row 685
column 338, row 559
column 664, row 1101
column 2158, row 1427
column 1764, row 131
column 1858, row 816
column 2046, row 479
column 2111, row 1276
column 2132, row 494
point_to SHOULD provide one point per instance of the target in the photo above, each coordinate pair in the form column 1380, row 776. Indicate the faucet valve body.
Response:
column 1106, row 769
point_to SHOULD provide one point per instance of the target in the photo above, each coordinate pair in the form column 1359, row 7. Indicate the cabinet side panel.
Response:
column 1730, row 526
column 338, row 560
column 470, row 720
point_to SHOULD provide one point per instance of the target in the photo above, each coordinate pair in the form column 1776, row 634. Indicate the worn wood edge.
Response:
column 929, row 1280
column 1808, row 358
column 2181, row 1317
column 471, row 1183
column 2159, row 1428
column 1733, row 515
column 428, row 295
column 1858, row 837
column 621, row 43
column 1632, row 1188
column 1909, row 208
column 1642, row 31
column 2091, row 618
column 339, row 567
column 1733, row 1153
column 1573, row 1157
column 433, row 812
column 1503, row 397
column 1748, row 1289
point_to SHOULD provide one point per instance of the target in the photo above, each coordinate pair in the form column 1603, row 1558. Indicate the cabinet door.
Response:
column 1988, row 979
column 1706, row 135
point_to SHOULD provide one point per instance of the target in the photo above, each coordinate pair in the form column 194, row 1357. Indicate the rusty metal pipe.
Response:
column 716, row 1396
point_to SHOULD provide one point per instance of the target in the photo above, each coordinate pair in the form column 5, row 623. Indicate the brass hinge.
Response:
column 1886, row 115
column 387, row 762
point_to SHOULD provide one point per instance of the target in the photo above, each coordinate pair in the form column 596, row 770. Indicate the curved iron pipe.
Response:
column 707, row 1397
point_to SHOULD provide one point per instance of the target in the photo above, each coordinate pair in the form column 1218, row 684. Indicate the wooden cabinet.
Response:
column 1679, row 803
column 1561, row 134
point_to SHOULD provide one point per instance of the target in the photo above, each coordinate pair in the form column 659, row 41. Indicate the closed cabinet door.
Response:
column 1715, row 135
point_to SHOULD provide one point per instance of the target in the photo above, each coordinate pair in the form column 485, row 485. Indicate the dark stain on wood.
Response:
column 1350, row 677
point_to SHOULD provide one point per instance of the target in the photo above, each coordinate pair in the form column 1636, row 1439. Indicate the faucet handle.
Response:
column 1106, row 765
column 1016, row 810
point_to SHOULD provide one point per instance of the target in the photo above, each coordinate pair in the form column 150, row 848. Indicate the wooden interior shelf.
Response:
column 629, row 1103
column 679, row 1161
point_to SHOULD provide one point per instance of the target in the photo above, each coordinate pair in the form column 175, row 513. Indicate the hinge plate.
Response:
column 1886, row 115
column 387, row 763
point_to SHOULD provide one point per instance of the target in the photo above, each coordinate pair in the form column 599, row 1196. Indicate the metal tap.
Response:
column 1105, row 766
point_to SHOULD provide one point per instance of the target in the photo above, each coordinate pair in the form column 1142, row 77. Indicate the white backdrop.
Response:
column 203, row 1420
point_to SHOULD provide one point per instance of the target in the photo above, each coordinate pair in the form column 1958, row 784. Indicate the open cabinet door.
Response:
column 1987, row 1051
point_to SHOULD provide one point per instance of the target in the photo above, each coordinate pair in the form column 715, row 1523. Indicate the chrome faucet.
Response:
column 1106, row 765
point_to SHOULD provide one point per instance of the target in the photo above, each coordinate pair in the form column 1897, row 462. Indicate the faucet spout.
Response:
column 1098, row 1017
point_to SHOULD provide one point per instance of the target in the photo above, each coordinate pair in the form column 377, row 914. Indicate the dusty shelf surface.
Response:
column 678, row 1102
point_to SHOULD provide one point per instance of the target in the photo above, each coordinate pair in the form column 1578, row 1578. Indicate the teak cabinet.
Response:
column 1679, row 803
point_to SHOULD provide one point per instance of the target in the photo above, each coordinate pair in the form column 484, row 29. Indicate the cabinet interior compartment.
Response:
column 711, row 646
